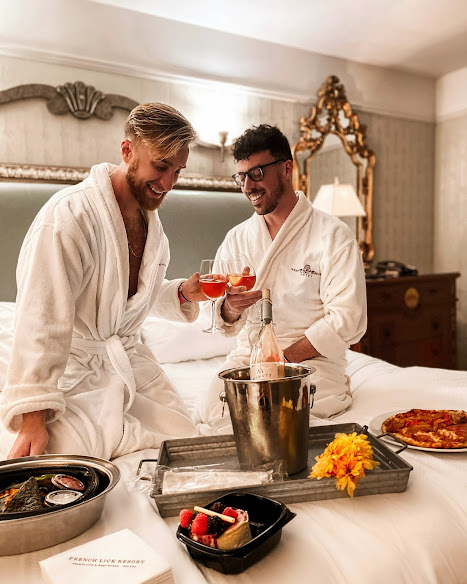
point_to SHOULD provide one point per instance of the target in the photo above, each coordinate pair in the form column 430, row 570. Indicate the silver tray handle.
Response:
column 141, row 462
column 401, row 442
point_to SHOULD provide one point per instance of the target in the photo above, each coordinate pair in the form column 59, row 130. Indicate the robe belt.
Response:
column 115, row 348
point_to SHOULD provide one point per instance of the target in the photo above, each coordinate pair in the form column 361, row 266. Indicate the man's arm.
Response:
column 300, row 351
column 32, row 437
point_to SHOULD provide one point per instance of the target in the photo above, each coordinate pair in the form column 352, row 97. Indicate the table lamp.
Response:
column 340, row 200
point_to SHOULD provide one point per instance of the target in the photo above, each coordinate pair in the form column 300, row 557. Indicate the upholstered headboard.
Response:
column 194, row 221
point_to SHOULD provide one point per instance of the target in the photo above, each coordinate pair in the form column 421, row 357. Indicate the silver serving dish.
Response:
column 43, row 530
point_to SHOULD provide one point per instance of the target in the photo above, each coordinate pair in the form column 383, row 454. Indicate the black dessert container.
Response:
column 267, row 518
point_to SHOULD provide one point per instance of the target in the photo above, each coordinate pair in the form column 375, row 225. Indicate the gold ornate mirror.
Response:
column 331, row 126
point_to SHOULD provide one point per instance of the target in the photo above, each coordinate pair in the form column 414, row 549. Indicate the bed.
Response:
column 415, row 537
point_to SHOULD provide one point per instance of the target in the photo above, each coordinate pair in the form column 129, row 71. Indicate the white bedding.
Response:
column 415, row 537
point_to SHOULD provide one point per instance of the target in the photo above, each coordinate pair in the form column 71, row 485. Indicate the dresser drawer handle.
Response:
column 435, row 325
column 412, row 298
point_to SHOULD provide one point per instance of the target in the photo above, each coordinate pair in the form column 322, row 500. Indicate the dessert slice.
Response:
column 220, row 527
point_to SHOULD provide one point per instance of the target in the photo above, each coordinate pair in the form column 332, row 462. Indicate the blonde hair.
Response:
column 160, row 126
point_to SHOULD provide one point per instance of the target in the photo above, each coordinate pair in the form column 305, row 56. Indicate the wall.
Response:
column 450, row 202
column 404, row 148
column 32, row 135
column 403, row 189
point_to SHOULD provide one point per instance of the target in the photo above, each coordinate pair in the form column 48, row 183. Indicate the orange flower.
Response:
column 347, row 458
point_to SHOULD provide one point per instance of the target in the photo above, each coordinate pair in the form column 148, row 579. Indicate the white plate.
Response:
column 375, row 428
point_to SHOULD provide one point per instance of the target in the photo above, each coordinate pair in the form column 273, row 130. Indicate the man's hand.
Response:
column 191, row 289
column 237, row 300
column 300, row 351
column 32, row 437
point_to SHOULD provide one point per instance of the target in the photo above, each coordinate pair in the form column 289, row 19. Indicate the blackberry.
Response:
column 215, row 525
column 218, row 507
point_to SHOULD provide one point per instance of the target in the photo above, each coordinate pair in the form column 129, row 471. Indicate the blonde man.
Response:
column 78, row 380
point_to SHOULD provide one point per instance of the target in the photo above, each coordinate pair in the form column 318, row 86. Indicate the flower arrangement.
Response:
column 347, row 458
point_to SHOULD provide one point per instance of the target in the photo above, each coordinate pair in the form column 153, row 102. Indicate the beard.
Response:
column 274, row 199
column 139, row 189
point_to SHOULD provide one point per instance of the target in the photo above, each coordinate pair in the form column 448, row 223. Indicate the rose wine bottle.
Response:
column 267, row 358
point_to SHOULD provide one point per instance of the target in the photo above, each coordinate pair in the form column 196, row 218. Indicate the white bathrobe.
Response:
column 76, row 351
column 314, row 270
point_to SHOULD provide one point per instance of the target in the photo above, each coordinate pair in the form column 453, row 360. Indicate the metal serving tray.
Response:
column 391, row 476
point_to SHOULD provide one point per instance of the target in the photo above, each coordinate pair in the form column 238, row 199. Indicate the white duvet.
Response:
column 415, row 537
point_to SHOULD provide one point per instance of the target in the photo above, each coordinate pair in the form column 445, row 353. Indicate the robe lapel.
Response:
column 300, row 216
column 115, row 234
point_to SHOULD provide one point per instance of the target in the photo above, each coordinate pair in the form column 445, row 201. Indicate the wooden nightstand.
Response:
column 412, row 320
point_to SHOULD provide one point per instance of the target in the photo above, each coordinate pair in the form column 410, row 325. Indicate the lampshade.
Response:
column 339, row 200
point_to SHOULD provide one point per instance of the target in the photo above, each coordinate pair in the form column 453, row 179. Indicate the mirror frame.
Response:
column 331, row 101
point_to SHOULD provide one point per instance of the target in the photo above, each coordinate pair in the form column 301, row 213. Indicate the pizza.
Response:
column 429, row 428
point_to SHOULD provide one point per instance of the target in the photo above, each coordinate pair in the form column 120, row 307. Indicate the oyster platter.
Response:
column 31, row 493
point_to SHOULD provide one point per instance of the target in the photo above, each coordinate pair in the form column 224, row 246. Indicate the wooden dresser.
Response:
column 412, row 320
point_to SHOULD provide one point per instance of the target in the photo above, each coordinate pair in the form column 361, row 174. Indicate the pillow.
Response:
column 173, row 342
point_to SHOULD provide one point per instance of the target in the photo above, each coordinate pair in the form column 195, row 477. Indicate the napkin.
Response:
column 121, row 558
column 176, row 482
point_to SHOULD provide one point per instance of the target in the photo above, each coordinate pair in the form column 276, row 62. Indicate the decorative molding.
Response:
column 81, row 100
column 105, row 66
column 42, row 173
column 119, row 68
column 73, row 175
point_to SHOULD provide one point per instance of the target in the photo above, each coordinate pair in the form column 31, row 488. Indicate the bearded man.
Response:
column 312, row 265
column 91, row 268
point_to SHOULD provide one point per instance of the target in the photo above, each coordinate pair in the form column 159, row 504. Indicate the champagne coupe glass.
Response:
column 213, row 281
column 241, row 272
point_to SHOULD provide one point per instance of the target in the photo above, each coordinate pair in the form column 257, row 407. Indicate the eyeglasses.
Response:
column 255, row 173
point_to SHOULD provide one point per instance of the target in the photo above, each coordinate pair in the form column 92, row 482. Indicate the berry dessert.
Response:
column 220, row 527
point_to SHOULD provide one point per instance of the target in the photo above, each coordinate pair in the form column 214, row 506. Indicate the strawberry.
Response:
column 200, row 524
column 185, row 517
column 230, row 512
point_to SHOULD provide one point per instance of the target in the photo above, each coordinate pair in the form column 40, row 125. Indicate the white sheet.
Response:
column 415, row 537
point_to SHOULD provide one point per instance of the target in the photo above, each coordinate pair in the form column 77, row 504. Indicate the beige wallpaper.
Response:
column 403, row 189
column 450, row 205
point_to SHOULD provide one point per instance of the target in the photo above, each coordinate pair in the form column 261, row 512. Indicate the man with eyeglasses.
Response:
column 309, row 260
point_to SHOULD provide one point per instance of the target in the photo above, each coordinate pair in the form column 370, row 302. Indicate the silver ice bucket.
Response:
column 270, row 419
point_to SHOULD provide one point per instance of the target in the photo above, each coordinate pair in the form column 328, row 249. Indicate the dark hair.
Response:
column 260, row 138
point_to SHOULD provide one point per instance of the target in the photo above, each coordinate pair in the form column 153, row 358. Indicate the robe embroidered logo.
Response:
column 306, row 271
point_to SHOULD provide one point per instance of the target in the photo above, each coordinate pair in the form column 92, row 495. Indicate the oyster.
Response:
column 62, row 481
column 27, row 498
column 6, row 495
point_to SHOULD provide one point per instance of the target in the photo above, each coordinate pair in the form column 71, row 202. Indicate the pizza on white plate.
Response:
column 429, row 428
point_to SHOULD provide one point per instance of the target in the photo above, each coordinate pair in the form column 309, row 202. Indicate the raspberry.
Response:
column 185, row 517
column 218, row 507
column 230, row 512
column 200, row 524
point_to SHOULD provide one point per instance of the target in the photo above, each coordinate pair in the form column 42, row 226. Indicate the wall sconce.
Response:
column 223, row 138
column 222, row 144
column 339, row 200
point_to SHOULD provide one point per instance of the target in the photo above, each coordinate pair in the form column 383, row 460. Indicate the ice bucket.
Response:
column 270, row 419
